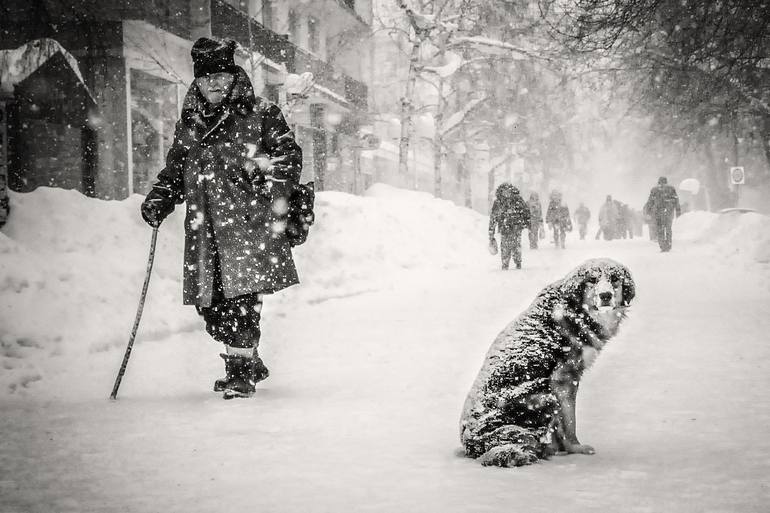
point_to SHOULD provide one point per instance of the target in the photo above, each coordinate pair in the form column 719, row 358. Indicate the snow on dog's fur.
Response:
column 522, row 405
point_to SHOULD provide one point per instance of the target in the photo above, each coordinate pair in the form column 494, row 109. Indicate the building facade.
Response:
column 312, row 58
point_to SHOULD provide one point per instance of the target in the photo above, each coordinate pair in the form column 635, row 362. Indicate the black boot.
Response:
column 247, row 372
column 239, row 382
column 221, row 383
column 260, row 370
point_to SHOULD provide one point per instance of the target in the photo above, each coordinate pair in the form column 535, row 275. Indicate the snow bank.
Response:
column 72, row 267
column 745, row 235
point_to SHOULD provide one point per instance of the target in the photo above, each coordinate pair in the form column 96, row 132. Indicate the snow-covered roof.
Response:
column 19, row 63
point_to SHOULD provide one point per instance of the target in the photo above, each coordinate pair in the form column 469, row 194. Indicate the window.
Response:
column 314, row 37
column 153, row 117
column 294, row 25
column 267, row 13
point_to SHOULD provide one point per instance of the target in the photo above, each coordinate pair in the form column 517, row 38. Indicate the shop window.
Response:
column 154, row 112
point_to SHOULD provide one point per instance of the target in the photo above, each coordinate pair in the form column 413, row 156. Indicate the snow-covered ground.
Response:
column 370, row 358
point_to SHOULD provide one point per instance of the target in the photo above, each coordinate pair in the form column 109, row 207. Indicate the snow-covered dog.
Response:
column 522, row 405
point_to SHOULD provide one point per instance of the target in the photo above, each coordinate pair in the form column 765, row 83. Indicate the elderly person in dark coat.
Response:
column 233, row 162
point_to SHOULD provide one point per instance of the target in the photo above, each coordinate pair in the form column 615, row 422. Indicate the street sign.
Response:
column 737, row 175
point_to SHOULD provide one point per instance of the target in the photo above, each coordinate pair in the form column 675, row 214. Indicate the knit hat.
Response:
column 213, row 56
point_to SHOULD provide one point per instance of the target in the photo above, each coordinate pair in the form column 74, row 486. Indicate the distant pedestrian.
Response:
column 582, row 215
column 509, row 215
column 637, row 221
column 624, row 225
column 650, row 222
column 663, row 205
column 535, row 219
column 608, row 218
column 558, row 218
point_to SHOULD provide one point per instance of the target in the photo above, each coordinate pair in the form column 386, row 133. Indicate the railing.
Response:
column 227, row 21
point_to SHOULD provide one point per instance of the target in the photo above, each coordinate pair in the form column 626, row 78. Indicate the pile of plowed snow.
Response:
column 745, row 235
column 72, row 267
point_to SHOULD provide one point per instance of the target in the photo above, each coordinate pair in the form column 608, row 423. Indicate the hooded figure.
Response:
column 662, row 206
column 510, row 215
column 233, row 162
column 582, row 215
column 559, row 218
column 608, row 218
column 535, row 219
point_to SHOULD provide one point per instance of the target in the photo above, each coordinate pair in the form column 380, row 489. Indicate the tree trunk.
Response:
column 407, row 111
column 715, row 177
column 765, row 136
column 438, row 140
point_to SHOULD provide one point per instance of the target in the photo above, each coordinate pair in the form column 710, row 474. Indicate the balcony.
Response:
column 227, row 21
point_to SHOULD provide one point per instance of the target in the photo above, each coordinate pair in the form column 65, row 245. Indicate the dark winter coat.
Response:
column 510, row 213
column 663, row 202
column 558, row 214
column 535, row 211
column 582, row 214
column 608, row 215
column 234, row 220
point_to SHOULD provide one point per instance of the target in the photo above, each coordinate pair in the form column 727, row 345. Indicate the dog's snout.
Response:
column 605, row 297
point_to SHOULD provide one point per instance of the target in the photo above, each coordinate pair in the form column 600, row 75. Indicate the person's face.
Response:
column 214, row 87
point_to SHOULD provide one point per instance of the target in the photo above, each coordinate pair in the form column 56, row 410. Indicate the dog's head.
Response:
column 602, row 289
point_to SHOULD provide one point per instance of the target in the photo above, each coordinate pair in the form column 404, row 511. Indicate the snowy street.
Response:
column 361, row 409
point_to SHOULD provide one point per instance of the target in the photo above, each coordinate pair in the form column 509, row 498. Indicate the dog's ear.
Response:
column 573, row 286
column 629, row 288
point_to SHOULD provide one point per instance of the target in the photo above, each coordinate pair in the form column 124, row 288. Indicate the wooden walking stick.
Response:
column 123, row 365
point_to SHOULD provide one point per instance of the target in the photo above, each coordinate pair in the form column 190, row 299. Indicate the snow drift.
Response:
column 71, row 267
column 743, row 235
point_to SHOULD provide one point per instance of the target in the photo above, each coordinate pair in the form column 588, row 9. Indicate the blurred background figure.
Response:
column 535, row 219
column 582, row 215
column 663, row 205
column 510, row 215
column 608, row 218
column 558, row 217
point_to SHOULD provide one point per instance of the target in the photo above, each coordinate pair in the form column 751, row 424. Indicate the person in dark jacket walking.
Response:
column 582, row 215
column 233, row 162
column 510, row 215
column 535, row 219
column 608, row 216
column 663, row 205
column 558, row 217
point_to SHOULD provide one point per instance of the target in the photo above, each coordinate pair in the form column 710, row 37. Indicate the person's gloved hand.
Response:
column 155, row 207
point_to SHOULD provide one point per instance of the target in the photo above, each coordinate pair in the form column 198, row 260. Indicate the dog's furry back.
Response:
column 518, row 364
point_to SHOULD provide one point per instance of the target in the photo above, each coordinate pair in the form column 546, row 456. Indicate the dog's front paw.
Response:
column 579, row 449
column 508, row 455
